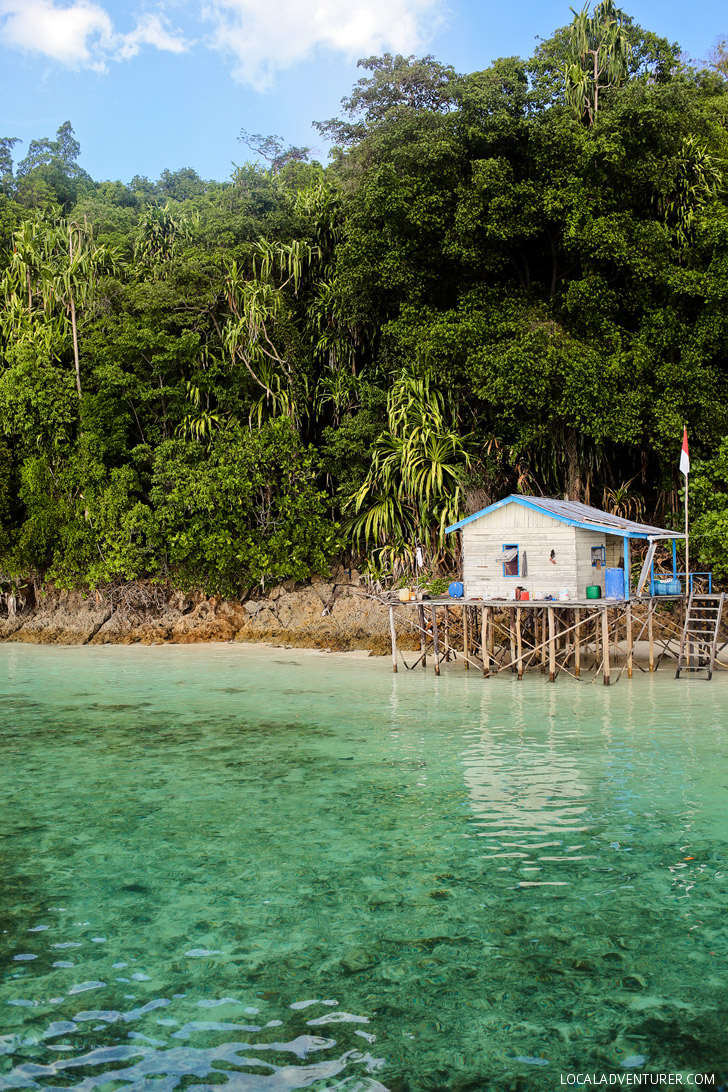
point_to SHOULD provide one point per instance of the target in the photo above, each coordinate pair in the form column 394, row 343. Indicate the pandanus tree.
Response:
column 338, row 338
column 414, row 487
column 159, row 234
column 690, row 179
column 259, row 307
column 600, row 51
column 72, row 283
column 52, row 275
column 22, row 285
column 249, row 338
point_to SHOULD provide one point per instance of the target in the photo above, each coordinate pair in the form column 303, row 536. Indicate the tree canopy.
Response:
column 506, row 280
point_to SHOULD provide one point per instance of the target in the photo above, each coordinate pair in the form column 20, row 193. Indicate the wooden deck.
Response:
column 565, row 604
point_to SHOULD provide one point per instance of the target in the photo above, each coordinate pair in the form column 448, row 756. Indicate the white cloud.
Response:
column 80, row 34
column 264, row 36
column 152, row 30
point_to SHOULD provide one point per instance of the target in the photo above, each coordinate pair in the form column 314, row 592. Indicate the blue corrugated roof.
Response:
column 576, row 515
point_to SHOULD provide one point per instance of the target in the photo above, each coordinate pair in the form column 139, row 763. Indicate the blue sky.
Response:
column 169, row 83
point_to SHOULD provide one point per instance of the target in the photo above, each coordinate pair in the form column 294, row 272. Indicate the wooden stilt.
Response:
column 577, row 643
column 543, row 641
column 393, row 633
column 650, row 636
column 552, row 645
column 519, row 643
column 597, row 655
column 435, row 641
column 605, row 644
column 628, row 623
column 466, row 649
column 512, row 627
column 484, row 639
column 689, row 647
column 491, row 635
column 616, row 634
column 423, row 635
column 446, row 636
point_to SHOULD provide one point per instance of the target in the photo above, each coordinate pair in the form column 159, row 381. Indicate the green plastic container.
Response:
column 593, row 591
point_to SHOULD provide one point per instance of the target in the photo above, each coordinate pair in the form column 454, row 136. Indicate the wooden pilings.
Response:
column 435, row 641
column 605, row 646
column 552, row 645
column 519, row 645
column 484, row 638
column 577, row 643
column 423, row 635
column 505, row 636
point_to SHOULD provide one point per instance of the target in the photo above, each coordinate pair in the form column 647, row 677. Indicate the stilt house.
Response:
column 553, row 548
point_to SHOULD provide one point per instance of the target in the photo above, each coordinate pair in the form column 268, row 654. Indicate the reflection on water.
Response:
column 165, row 1053
column 524, row 789
column 228, row 868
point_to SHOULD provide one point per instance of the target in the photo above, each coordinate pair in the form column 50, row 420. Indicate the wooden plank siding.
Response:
column 536, row 535
column 483, row 573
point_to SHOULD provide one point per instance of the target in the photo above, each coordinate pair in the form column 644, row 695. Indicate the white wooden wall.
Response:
column 536, row 535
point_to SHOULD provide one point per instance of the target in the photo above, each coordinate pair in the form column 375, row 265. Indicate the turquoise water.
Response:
column 249, row 869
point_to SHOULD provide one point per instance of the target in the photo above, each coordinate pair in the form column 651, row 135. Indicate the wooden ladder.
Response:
column 700, row 634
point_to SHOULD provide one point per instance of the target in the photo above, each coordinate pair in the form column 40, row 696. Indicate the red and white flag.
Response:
column 684, row 455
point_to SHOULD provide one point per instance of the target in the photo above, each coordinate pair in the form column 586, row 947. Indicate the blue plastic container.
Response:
column 614, row 583
column 456, row 590
column 668, row 587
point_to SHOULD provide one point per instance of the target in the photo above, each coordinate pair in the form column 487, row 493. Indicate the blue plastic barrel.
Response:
column 456, row 590
column 614, row 583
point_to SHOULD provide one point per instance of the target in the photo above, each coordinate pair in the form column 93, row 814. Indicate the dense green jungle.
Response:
column 509, row 280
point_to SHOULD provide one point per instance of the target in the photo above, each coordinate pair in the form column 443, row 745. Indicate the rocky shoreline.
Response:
column 340, row 612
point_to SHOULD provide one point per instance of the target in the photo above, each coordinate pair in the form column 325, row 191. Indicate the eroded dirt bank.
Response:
column 339, row 612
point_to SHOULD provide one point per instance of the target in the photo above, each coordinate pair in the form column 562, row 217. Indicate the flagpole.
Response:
column 687, row 551
column 685, row 467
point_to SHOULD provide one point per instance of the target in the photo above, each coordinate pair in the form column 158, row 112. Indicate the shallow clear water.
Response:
column 265, row 870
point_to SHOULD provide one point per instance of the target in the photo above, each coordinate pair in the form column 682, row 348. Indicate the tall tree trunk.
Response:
column 73, row 313
column 75, row 346
column 573, row 479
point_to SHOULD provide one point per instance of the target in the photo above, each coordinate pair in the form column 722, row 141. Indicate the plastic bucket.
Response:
column 614, row 583
column 456, row 590
column 593, row 591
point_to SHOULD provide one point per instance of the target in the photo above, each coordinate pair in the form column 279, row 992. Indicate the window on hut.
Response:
column 510, row 559
column 598, row 557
